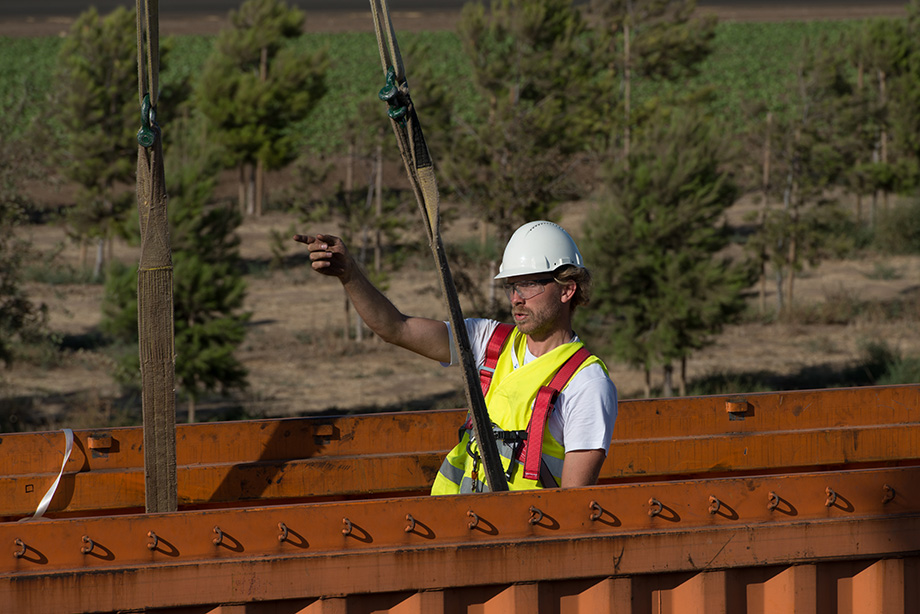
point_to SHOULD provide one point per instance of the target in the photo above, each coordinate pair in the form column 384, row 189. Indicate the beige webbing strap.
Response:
column 420, row 169
column 154, row 283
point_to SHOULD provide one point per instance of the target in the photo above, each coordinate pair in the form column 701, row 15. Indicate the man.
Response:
column 545, row 280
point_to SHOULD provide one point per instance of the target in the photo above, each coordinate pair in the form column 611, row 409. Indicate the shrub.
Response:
column 898, row 229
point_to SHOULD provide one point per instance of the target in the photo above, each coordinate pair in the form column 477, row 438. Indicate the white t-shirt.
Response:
column 586, row 409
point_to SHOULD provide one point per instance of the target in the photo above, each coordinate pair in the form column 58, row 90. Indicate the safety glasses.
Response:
column 527, row 289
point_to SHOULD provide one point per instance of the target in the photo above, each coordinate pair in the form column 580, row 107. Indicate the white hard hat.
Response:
column 538, row 247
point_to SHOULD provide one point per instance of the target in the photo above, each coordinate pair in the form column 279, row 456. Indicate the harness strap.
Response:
column 493, row 351
column 543, row 405
column 487, row 371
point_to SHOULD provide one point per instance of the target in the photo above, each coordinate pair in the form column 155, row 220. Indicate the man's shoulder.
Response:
column 594, row 376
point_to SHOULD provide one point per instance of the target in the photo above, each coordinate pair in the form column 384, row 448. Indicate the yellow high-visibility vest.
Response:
column 510, row 400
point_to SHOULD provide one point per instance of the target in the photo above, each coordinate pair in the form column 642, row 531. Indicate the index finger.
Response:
column 307, row 239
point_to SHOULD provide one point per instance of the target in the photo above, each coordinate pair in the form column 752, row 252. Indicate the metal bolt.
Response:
column 89, row 545
column 220, row 536
column 347, row 530
column 284, row 532
column 22, row 548
column 831, row 497
column 156, row 540
column 411, row 526
column 475, row 518
column 655, row 507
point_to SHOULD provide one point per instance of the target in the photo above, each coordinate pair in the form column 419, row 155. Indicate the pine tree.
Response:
column 894, row 57
column 816, row 146
column 254, row 86
column 661, row 285
column 20, row 318
column 209, row 287
column 97, row 105
column 514, row 161
column 642, row 41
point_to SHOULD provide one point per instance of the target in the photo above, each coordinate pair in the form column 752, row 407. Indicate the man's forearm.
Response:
column 377, row 311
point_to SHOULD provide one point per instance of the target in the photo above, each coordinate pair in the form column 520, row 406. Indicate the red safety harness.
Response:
column 530, row 453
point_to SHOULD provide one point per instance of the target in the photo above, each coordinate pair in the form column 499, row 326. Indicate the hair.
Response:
column 582, row 278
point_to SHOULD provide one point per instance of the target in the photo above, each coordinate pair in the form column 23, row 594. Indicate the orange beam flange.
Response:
column 301, row 459
column 313, row 551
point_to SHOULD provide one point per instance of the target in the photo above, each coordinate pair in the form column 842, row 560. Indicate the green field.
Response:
column 751, row 62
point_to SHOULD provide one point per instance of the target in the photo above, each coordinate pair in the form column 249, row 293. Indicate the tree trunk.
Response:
column 242, row 187
column 250, row 190
column 191, row 410
column 765, row 191
column 260, row 188
column 883, row 137
column 100, row 258
column 793, row 256
column 350, row 172
column 627, row 86
column 260, row 166
column 682, row 383
column 668, row 386
column 493, row 297
column 378, row 203
column 648, row 383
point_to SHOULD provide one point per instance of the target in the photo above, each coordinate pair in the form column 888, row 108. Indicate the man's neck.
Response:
column 543, row 344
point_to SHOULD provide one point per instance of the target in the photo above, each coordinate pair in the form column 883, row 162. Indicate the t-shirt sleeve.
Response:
column 479, row 332
column 586, row 411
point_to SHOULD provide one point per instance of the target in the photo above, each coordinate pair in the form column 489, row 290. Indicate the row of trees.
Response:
column 237, row 114
column 559, row 93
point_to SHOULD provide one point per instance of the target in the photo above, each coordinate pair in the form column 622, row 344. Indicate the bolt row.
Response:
column 536, row 516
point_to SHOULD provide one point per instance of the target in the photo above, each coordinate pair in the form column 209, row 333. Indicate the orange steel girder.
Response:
column 323, row 550
column 328, row 458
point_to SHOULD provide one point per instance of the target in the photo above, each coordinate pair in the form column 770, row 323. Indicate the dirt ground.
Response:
column 298, row 362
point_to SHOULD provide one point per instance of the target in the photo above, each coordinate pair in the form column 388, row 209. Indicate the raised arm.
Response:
column 429, row 338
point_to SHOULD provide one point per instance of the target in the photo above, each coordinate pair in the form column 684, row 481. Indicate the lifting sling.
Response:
column 154, row 281
column 419, row 167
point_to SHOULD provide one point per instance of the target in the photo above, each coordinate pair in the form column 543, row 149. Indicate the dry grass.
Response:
column 300, row 363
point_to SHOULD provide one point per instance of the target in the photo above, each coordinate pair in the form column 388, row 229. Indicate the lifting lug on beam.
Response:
column 536, row 515
column 714, row 504
column 889, row 494
column 596, row 510
column 774, row 501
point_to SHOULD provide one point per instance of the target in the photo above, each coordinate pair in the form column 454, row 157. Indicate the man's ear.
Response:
column 568, row 291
